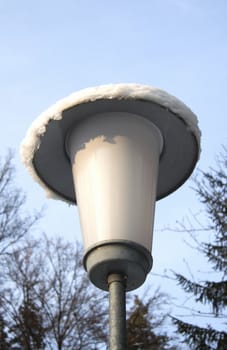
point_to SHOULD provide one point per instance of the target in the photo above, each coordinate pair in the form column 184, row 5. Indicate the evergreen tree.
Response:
column 27, row 330
column 144, row 326
column 4, row 340
column 211, row 188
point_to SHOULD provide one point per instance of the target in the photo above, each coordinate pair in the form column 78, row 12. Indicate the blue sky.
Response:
column 52, row 48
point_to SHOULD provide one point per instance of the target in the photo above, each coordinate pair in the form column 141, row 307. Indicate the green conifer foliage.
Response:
column 211, row 188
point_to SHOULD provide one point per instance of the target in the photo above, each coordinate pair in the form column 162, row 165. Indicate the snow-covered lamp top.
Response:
column 44, row 145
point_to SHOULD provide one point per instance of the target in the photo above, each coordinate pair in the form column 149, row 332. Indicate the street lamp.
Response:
column 114, row 150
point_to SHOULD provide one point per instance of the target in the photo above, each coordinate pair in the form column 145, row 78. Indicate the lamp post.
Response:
column 114, row 150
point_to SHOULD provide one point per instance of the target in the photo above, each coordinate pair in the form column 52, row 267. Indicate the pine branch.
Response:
column 217, row 255
column 201, row 338
column 214, row 293
column 211, row 189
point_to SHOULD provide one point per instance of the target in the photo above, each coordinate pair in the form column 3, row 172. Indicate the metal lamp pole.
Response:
column 114, row 150
column 117, row 311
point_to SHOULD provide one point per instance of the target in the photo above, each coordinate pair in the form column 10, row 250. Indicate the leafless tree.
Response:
column 14, row 223
column 50, row 303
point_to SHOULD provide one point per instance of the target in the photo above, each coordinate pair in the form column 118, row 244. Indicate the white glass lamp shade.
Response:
column 115, row 158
